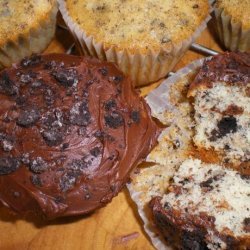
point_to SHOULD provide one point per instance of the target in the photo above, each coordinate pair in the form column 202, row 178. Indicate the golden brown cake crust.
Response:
column 238, row 9
column 18, row 18
column 139, row 25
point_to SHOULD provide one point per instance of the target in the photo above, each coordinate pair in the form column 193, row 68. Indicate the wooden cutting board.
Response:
column 116, row 226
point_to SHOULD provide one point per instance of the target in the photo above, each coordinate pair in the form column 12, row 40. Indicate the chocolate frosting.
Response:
column 71, row 131
column 229, row 67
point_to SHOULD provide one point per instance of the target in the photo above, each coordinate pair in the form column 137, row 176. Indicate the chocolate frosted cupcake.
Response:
column 144, row 38
column 71, row 131
column 233, row 23
column 26, row 27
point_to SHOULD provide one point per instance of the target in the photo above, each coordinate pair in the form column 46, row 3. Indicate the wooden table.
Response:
column 116, row 226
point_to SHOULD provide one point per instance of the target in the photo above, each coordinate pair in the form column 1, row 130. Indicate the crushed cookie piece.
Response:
column 8, row 165
column 28, row 117
column 7, row 86
column 114, row 120
column 31, row 61
column 66, row 77
column 38, row 165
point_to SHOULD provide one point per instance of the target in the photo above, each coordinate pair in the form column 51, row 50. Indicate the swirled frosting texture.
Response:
column 71, row 131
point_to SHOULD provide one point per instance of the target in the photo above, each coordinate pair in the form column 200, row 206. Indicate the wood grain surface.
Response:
column 116, row 226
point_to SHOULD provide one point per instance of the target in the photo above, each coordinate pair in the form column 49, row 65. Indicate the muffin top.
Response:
column 238, row 9
column 18, row 17
column 142, row 25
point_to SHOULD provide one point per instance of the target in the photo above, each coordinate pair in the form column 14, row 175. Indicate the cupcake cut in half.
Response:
column 26, row 27
column 206, row 207
column 145, row 38
column 203, row 97
column 71, row 131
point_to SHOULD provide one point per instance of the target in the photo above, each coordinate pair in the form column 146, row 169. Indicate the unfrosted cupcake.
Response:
column 145, row 38
column 26, row 27
column 233, row 23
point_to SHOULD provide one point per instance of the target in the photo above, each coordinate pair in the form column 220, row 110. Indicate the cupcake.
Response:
column 71, row 131
column 26, row 27
column 205, row 128
column 145, row 39
column 233, row 24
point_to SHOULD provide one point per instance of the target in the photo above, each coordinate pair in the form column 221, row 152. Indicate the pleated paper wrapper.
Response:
column 142, row 68
column 232, row 35
column 152, row 179
column 35, row 41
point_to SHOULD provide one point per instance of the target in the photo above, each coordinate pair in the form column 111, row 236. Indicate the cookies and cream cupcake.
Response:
column 233, row 23
column 26, row 27
column 201, row 162
column 71, row 131
column 145, row 38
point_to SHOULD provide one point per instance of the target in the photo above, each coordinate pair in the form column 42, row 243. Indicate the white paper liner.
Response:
column 231, row 34
column 159, row 101
column 142, row 68
column 35, row 42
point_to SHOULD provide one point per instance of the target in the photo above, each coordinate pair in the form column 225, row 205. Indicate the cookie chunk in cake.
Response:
column 221, row 92
column 206, row 207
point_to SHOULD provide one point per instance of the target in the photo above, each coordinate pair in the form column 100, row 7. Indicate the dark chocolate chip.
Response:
column 110, row 104
column 28, row 117
column 36, row 180
column 135, row 116
column 38, row 165
column 114, row 120
column 8, row 165
column 79, row 114
column 7, row 86
column 66, row 77
column 31, row 61
column 53, row 137
column 95, row 151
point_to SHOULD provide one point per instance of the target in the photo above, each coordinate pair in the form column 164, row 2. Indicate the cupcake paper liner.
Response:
column 231, row 34
column 34, row 42
column 142, row 68
column 159, row 102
